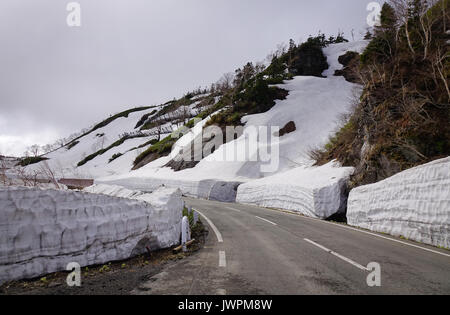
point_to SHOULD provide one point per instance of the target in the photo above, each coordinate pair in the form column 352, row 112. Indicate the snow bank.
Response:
column 414, row 204
column 312, row 191
column 224, row 191
column 41, row 231
column 209, row 189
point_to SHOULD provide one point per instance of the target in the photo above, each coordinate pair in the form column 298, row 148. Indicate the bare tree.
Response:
column 225, row 82
column 4, row 180
column 47, row 173
column 403, row 11
column 439, row 65
column 281, row 49
column 34, row 150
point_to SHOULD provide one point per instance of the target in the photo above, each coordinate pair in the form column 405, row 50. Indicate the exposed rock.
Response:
column 349, row 57
column 288, row 128
column 224, row 191
column 309, row 62
column 178, row 165
column 350, row 61
column 146, row 160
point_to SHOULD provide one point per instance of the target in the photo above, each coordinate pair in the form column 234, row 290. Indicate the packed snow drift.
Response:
column 42, row 231
column 312, row 191
column 414, row 204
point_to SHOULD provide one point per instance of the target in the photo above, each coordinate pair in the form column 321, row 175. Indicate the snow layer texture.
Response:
column 414, row 204
column 41, row 231
column 205, row 189
column 312, row 191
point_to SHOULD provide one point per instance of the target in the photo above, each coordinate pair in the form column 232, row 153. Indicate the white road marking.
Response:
column 362, row 231
column 266, row 220
column 233, row 209
column 394, row 240
column 216, row 231
column 222, row 259
column 337, row 255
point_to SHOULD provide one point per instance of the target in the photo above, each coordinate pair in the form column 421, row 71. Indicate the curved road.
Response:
column 252, row 250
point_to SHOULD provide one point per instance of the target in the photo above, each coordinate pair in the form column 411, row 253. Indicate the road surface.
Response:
column 252, row 250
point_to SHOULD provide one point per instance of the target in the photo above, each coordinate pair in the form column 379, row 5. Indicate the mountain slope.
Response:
column 306, row 110
column 314, row 105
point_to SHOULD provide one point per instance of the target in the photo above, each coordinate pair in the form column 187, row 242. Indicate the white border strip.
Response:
column 222, row 259
column 216, row 231
column 266, row 220
column 337, row 255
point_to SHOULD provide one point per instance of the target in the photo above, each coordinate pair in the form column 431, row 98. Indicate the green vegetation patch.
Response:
column 31, row 160
column 102, row 151
column 107, row 121
column 162, row 148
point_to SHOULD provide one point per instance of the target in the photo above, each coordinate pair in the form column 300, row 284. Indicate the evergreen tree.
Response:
column 388, row 20
column 415, row 9
column 291, row 45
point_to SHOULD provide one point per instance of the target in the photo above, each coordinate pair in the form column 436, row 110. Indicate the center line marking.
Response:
column 233, row 209
column 216, row 231
column 266, row 220
column 222, row 259
column 338, row 255
column 392, row 239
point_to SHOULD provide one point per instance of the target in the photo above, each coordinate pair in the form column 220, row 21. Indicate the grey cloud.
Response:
column 134, row 52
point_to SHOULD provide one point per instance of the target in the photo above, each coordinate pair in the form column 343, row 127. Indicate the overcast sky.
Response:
column 56, row 80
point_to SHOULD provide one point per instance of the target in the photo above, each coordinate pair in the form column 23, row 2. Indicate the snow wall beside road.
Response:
column 414, row 204
column 317, row 192
column 41, row 231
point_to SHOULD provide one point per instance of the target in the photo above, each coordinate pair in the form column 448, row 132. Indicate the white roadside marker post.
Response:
column 184, row 232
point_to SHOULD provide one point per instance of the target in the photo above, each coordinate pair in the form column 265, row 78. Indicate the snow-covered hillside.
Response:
column 119, row 157
column 314, row 105
column 64, row 161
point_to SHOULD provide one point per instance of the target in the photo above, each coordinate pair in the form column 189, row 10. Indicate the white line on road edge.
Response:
column 338, row 255
column 359, row 230
column 266, row 220
column 216, row 231
column 394, row 240
column 222, row 259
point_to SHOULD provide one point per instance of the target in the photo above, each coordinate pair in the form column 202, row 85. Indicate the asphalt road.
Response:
column 252, row 250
